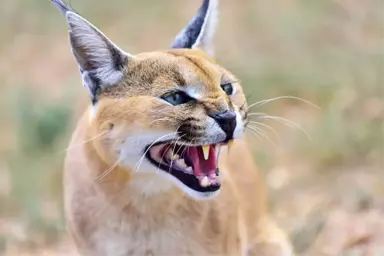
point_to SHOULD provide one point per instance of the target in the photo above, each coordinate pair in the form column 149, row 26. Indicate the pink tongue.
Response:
column 200, row 165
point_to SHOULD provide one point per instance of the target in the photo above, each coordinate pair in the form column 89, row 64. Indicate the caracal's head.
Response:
column 163, row 113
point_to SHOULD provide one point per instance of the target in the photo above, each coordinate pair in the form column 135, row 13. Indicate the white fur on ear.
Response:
column 100, row 61
column 205, row 39
column 200, row 29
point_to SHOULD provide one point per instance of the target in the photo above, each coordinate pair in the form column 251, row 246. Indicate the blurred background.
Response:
column 327, row 192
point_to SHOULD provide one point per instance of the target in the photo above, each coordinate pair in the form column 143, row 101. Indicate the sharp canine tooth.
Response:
column 204, row 182
column 230, row 143
column 205, row 151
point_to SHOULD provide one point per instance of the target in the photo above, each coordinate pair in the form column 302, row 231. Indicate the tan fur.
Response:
column 112, row 215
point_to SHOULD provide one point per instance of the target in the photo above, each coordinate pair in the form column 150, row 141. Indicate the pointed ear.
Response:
column 200, row 29
column 101, row 62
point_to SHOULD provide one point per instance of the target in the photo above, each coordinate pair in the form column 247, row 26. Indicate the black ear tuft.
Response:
column 199, row 31
column 64, row 8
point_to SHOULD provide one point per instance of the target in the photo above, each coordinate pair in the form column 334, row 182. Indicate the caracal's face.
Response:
column 165, row 113
column 171, row 116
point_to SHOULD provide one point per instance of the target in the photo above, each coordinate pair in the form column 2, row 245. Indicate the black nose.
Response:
column 227, row 121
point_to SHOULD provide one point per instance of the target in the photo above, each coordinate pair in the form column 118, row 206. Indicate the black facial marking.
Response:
column 204, row 72
column 95, row 95
column 190, row 119
column 245, row 115
column 94, row 87
column 189, row 131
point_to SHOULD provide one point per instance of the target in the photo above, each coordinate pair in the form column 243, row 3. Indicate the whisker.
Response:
column 287, row 122
column 258, row 114
column 182, row 144
column 269, row 128
column 246, row 100
column 174, row 150
column 83, row 142
column 185, row 148
column 263, row 102
column 161, row 119
column 165, row 151
column 108, row 171
column 162, row 156
column 253, row 133
column 261, row 133
column 189, row 144
column 137, row 166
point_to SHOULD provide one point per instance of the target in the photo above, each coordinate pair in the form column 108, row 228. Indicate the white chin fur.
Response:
column 192, row 193
column 162, row 181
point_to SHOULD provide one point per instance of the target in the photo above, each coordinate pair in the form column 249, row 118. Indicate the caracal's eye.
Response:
column 177, row 98
column 227, row 88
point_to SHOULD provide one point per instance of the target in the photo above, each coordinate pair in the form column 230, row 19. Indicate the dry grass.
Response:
column 328, row 193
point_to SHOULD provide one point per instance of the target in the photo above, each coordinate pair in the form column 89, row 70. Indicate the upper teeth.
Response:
column 172, row 156
column 181, row 163
column 205, row 151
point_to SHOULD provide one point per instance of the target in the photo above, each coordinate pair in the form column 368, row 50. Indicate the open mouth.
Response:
column 195, row 166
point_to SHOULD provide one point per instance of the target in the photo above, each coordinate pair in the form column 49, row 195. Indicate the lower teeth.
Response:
column 204, row 182
column 213, row 175
column 189, row 170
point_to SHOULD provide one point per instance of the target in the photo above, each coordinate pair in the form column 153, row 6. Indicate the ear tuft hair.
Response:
column 64, row 8
column 200, row 29
column 100, row 61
